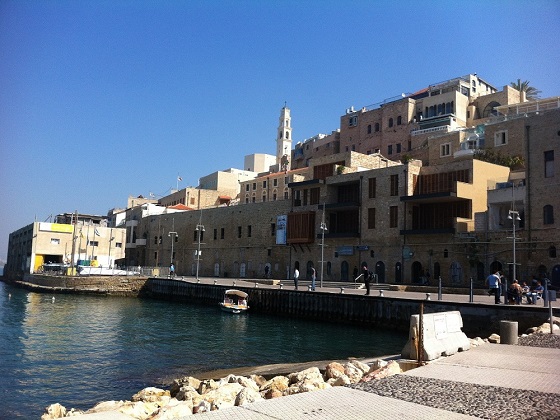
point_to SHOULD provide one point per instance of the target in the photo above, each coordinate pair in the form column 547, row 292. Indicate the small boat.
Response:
column 235, row 301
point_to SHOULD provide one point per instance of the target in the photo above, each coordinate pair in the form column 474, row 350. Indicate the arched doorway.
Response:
column 416, row 271
column 344, row 270
column 555, row 276
column 380, row 271
column 456, row 273
column 398, row 273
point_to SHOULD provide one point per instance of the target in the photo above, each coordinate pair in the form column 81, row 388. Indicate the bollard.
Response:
column 256, row 285
column 439, row 294
column 427, row 296
column 508, row 332
column 309, row 288
column 381, row 293
column 342, row 290
column 471, row 292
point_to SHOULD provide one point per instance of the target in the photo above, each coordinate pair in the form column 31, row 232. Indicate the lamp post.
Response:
column 323, row 229
column 173, row 235
column 199, row 229
column 513, row 216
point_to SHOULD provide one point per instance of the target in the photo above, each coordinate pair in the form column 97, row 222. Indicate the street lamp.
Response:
column 513, row 216
column 199, row 230
column 323, row 228
column 174, row 236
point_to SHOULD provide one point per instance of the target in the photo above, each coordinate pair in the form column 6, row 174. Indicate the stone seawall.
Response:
column 386, row 312
column 107, row 285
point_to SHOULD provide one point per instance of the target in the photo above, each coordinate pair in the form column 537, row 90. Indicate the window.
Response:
column 215, row 234
column 55, row 241
column 394, row 185
column 254, row 186
column 239, row 231
column 264, row 197
column 273, row 229
column 445, row 150
column 155, row 240
column 372, row 186
column 548, row 215
column 549, row 164
column 274, row 197
column 286, row 195
column 398, row 147
column 376, row 127
column 399, row 120
column 315, row 194
column 118, row 244
column 264, row 184
column 445, row 253
column 552, row 251
column 222, row 233
column 93, row 243
column 390, row 149
column 249, row 231
column 500, row 138
column 393, row 216
column 275, row 182
column 353, row 121
column 369, row 129
column 371, row 218
column 390, row 122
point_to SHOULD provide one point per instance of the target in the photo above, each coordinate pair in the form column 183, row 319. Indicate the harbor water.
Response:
column 78, row 350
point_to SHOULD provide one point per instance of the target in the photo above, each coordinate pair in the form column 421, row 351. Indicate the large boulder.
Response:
column 207, row 385
column 353, row 373
column 152, row 394
column 392, row 368
column 175, row 409
column 105, row 406
column 247, row 396
column 54, row 411
column 364, row 368
column 223, row 396
column 334, row 370
column 278, row 383
column 185, row 381
column 139, row 410
column 187, row 393
column 312, row 374
column 258, row 379
column 340, row 381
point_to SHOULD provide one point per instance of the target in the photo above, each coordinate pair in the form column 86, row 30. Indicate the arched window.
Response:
column 390, row 122
column 399, row 120
column 369, row 129
column 548, row 215
column 376, row 127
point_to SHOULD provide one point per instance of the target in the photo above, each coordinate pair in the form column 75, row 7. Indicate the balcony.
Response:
column 440, row 129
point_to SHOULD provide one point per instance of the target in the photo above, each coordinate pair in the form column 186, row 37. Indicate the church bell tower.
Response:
column 284, row 139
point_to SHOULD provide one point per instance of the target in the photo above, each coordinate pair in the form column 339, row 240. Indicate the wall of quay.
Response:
column 374, row 311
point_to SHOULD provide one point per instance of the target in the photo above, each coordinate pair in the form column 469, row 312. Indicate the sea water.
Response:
column 78, row 350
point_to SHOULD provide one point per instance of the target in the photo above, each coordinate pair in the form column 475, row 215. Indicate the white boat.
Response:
column 235, row 301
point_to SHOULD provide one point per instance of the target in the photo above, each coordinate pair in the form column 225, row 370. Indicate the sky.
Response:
column 102, row 100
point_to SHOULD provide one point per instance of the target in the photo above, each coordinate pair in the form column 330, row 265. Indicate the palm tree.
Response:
column 531, row 92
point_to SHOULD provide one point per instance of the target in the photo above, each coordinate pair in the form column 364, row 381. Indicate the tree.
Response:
column 531, row 92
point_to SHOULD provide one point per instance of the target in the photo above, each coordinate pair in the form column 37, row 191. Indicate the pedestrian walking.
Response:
column 366, row 275
column 172, row 270
column 493, row 282
column 313, row 278
column 296, row 278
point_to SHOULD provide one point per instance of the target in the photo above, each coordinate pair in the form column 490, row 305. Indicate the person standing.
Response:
column 172, row 270
column 493, row 282
column 296, row 277
column 313, row 278
column 365, row 274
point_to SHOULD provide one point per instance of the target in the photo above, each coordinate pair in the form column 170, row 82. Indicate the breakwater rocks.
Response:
column 190, row 395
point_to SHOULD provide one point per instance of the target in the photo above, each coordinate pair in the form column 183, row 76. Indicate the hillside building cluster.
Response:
column 454, row 181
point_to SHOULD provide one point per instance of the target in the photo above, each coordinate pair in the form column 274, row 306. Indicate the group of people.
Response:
column 313, row 278
column 515, row 292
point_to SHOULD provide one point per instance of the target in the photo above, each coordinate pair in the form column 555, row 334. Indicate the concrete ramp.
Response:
column 442, row 336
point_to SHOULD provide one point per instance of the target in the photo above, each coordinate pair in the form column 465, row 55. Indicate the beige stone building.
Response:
column 46, row 246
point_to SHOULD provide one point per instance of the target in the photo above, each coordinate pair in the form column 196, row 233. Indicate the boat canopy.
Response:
column 237, row 293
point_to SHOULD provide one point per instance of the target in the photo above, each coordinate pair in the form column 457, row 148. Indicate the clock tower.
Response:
column 284, row 139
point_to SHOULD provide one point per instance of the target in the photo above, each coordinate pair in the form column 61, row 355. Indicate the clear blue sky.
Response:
column 100, row 100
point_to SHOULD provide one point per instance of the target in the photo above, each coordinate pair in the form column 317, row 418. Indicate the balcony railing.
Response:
column 443, row 128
